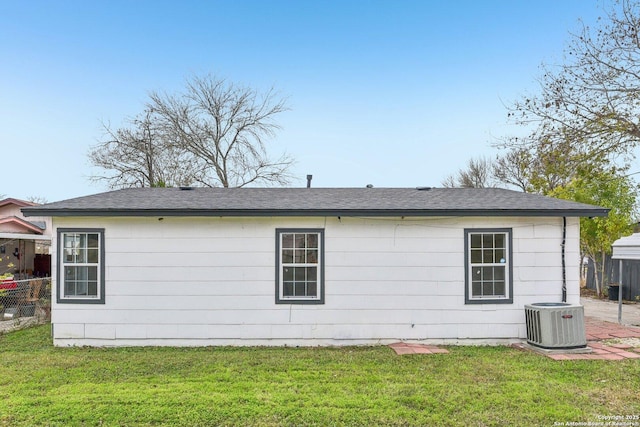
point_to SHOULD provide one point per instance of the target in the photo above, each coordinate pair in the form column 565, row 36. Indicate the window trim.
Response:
column 60, row 298
column 468, row 298
column 320, row 284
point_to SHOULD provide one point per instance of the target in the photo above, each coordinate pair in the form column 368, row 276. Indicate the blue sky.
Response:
column 390, row 93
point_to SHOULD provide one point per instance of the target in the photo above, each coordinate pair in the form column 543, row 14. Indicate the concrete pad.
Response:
column 608, row 310
column 549, row 352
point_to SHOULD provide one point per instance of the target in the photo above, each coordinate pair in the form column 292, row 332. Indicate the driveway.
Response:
column 608, row 311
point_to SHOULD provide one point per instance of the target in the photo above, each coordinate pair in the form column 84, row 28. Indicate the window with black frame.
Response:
column 488, row 266
column 300, row 255
column 81, row 265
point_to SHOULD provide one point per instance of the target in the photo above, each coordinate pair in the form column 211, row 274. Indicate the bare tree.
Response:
column 514, row 168
column 225, row 127
column 593, row 99
column 449, row 181
column 138, row 156
column 38, row 200
column 477, row 174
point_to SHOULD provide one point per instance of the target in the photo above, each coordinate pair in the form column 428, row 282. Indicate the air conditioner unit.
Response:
column 555, row 325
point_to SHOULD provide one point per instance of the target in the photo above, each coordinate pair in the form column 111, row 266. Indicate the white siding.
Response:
column 210, row 281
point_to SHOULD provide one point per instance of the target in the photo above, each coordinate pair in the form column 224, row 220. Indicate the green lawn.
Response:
column 43, row 385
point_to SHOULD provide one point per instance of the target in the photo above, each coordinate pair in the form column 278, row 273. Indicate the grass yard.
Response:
column 471, row 386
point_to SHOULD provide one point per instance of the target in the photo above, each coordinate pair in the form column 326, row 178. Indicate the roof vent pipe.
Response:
column 309, row 177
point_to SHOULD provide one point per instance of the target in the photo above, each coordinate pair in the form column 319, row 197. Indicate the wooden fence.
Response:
column 630, row 277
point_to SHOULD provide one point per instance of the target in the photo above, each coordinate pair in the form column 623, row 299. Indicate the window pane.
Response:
column 487, row 288
column 500, row 241
column 69, row 247
column 300, row 241
column 69, row 255
column 312, row 273
column 69, row 240
column 312, row 256
column 476, row 273
column 287, row 256
column 287, row 274
column 81, row 256
column 299, row 289
column 287, row 289
column 487, row 240
column 82, row 273
column 476, row 256
column 476, row 289
column 500, row 256
column 287, row 240
column 487, row 256
column 312, row 240
column 93, row 288
column 476, row 241
column 92, row 240
column 69, row 281
column 81, row 288
column 298, row 257
column 487, row 273
column 299, row 274
column 312, row 289
column 69, row 287
column 82, row 240
column 70, row 273
column 499, row 289
column 92, row 256
column 499, row 273
column 92, row 273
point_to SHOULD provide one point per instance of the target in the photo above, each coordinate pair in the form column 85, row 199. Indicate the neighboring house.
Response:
column 307, row 266
column 24, row 244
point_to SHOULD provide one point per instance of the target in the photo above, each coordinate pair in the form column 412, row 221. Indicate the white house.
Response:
column 307, row 266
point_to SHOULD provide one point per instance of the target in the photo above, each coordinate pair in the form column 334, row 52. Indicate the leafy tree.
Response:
column 585, row 119
column 546, row 165
column 610, row 189
column 593, row 99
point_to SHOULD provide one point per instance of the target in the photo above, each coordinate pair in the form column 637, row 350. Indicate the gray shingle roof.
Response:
column 314, row 202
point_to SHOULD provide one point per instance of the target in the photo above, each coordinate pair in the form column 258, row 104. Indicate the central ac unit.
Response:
column 555, row 325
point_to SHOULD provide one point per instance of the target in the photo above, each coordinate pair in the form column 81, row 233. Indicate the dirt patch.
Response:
column 590, row 293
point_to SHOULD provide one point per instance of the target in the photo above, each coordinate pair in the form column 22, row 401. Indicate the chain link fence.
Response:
column 25, row 300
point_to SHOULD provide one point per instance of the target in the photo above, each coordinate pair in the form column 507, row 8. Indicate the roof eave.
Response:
column 17, row 202
column 22, row 223
column 315, row 212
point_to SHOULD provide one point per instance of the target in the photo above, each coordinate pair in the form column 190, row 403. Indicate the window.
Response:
column 488, row 266
column 80, row 276
column 299, row 266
